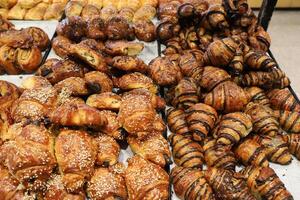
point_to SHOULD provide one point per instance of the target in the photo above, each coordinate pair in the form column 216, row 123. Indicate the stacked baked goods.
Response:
column 32, row 9
column 21, row 50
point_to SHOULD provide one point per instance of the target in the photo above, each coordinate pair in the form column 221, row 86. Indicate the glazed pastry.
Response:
column 186, row 93
column 55, row 70
column 153, row 148
column 34, row 82
column 257, row 95
column 76, row 86
column 107, row 12
column 232, row 128
column 29, row 156
column 113, row 126
column 17, row 12
column 177, row 122
column 164, row 72
column 108, row 150
column 227, row 97
column 74, row 28
column 123, row 48
column 145, row 30
column 76, row 154
column 228, row 185
column 74, row 8
column 283, row 99
column 61, row 46
column 8, row 56
column 29, row 59
column 129, row 64
column 117, row 28
column 9, row 93
column 190, row 184
column 37, row 12
column 167, row 11
column 105, row 101
column 186, row 153
column 96, row 28
column 98, row 82
column 73, row 114
column 264, row 182
column 89, row 11
column 40, row 38
column 134, row 81
column 213, row 76
column 54, row 11
column 106, row 184
column 144, row 13
column 293, row 141
column 145, row 180
column 218, row 155
column 56, row 190
column 201, row 119
column 263, row 119
column 252, row 153
column 276, row 148
column 16, row 39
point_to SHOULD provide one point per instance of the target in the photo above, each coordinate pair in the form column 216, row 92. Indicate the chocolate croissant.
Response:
column 264, row 182
column 177, row 122
column 218, row 155
column 106, row 184
column 233, row 127
column 153, row 148
column 145, row 30
column 123, row 48
column 293, row 141
column 98, row 82
column 252, row 153
column 186, row 153
column 108, row 150
column 9, row 94
column 276, row 148
column 263, row 119
column 190, row 184
column 228, row 184
column 201, row 119
column 283, row 99
column 145, row 180
column 105, row 101
column 129, row 64
column 257, row 95
column 227, row 97
column 76, row 154
column 189, row 61
column 257, row 60
column 213, row 76
column 117, row 28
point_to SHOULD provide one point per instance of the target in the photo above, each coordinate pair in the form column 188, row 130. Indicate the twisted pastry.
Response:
column 190, row 184
column 9, row 93
column 105, row 101
column 252, row 153
column 276, row 148
column 283, row 99
column 218, row 155
column 228, row 185
column 258, row 96
column 186, row 153
column 177, row 122
column 213, row 76
column 293, row 141
column 264, row 182
column 108, row 150
column 263, row 119
column 232, row 128
column 201, row 119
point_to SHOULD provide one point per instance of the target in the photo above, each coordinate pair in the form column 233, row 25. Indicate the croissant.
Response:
column 108, row 11
column 213, row 76
column 98, row 82
column 164, row 72
column 61, row 46
column 126, row 13
column 288, row 120
column 258, row 96
column 264, row 182
column 168, row 11
column 56, row 190
column 16, row 12
column 74, row 85
column 263, row 119
column 233, row 127
column 123, row 48
column 252, row 153
column 201, row 119
column 40, row 38
column 228, row 184
column 276, row 148
column 29, row 59
column 134, row 81
column 74, row 8
column 76, row 154
column 74, row 28
column 293, row 141
column 144, row 13
column 257, row 60
column 186, row 153
column 145, row 30
column 129, row 64
column 117, row 28
column 96, row 28
column 9, row 93
column 7, row 3
column 105, row 184
column 54, row 11
column 107, row 3
column 97, row 3
column 186, row 93
column 145, row 180
column 89, row 11
column 113, row 126
column 153, row 148
column 189, row 61
column 227, row 97
column 167, row 30
column 283, row 99
column 73, row 114
column 191, row 184
column 29, row 156
column 108, row 150
column 177, row 122
column 218, row 155
column 105, row 101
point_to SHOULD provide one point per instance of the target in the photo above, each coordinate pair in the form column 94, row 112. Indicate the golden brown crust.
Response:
column 40, row 38
column 288, row 120
column 123, row 48
column 113, row 126
column 98, row 82
column 74, row 8
column 74, row 28
column 89, row 11
column 96, row 28
column 8, row 57
column 54, row 11
column 129, row 64
column 145, row 180
column 5, row 25
column 61, row 46
column 16, row 39
column 105, row 101
column 126, row 13
column 9, row 93
column 212, row 76
column 33, row 82
column 177, row 122
column 283, row 99
column 144, row 13
column 74, row 85
column 29, row 59
column 105, row 184
column 293, row 141
column 108, row 11
column 145, row 30
column 76, row 154
column 117, row 28
column 257, row 95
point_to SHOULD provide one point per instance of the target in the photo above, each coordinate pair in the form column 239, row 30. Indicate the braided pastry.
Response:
column 293, row 141
column 177, row 122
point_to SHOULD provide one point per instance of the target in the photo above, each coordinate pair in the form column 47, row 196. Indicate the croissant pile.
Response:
column 32, row 9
